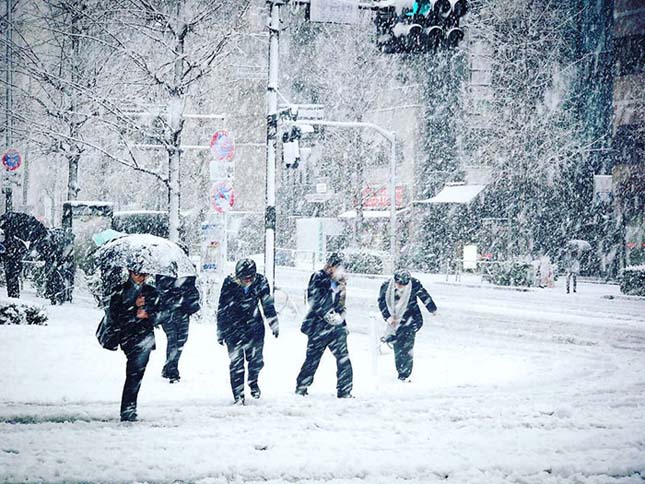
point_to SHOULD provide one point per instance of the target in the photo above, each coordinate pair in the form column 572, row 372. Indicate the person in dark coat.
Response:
column 178, row 300
column 241, row 327
column 19, row 232
column 398, row 304
column 325, row 327
column 58, row 253
column 133, row 311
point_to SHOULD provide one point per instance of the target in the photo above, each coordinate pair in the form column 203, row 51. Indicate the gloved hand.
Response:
column 275, row 331
column 333, row 318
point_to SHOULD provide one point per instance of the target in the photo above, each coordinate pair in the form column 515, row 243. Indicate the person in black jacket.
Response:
column 400, row 309
column 240, row 324
column 133, row 311
column 178, row 300
column 325, row 327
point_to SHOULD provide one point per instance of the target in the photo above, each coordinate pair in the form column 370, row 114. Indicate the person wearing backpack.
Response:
column 240, row 325
column 179, row 299
column 325, row 327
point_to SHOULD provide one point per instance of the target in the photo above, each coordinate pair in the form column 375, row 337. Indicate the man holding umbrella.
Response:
column 241, row 326
column 133, row 312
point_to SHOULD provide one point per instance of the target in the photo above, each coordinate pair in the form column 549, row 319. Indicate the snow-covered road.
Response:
column 526, row 387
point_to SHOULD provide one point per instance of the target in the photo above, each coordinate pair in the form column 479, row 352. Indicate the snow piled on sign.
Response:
column 456, row 194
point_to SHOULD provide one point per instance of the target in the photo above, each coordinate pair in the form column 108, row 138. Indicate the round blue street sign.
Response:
column 12, row 159
column 223, row 145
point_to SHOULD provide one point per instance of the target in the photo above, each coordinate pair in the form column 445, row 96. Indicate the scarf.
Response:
column 397, row 307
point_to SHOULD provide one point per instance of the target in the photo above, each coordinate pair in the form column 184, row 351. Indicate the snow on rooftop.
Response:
column 370, row 214
column 456, row 194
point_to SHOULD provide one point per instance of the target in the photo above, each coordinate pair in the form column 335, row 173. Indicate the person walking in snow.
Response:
column 325, row 327
column 240, row 324
column 133, row 311
column 572, row 268
column 398, row 304
column 179, row 299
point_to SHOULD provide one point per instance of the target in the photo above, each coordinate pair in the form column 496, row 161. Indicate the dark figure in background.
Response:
column 572, row 269
column 398, row 304
column 241, row 327
column 178, row 300
column 325, row 327
column 133, row 311
column 58, row 253
column 20, row 231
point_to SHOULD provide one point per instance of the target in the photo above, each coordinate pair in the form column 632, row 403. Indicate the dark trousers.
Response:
column 403, row 353
column 336, row 340
column 138, row 356
column 176, row 328
column 574, row 276
column 12, row 271
column 245, row 347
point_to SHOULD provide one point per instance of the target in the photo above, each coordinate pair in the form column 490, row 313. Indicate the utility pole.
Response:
column 8, row 192
column 272, row 138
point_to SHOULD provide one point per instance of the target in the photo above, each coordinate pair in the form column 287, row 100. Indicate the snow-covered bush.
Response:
column 15, row 313
column 365, row 261
column 633, row 280
column 512, row 274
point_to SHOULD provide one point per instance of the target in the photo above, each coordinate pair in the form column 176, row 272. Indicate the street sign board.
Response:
column 380, row 197
column 223, row 145
column 12, row 159
column 336, row 11
column 222, row 197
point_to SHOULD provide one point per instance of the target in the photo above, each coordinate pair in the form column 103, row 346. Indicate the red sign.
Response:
column 222, row 197
column 380, row 197
column 11, row 159
column 223, row 145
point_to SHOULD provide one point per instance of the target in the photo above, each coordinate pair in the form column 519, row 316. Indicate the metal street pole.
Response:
column 9, row 101
column 272, row 138
column 393, row 247
column 391, row 137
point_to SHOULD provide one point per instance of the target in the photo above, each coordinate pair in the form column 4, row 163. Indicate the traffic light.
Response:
column 424, row 26
column 291, row 147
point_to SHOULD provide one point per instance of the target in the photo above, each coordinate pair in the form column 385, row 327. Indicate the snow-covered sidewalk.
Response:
column 535, row 387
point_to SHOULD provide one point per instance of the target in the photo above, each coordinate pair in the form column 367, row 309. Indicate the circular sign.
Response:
column 223, row 145
column 11, row 159
column 222, row 197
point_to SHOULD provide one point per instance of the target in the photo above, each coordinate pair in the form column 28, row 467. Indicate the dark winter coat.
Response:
column 321, row 300
column 412, row 318
column 123, row 313
column 178, row 295
column 238, row 312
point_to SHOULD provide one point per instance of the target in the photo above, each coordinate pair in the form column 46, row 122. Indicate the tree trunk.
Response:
column 73, row 156
column 175, row 118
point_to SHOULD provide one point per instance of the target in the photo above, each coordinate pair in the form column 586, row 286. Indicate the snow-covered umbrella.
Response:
column 578, row 244
column 152, row 255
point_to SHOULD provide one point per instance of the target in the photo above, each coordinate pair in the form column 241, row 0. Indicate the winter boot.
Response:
column 255, row 390
column 239, row 400
column 302, row 391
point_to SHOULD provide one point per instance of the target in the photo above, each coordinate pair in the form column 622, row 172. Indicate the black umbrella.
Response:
column 21, row 230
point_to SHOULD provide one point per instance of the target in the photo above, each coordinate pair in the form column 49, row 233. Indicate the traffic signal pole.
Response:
column 272, row 140
column 272, row 136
